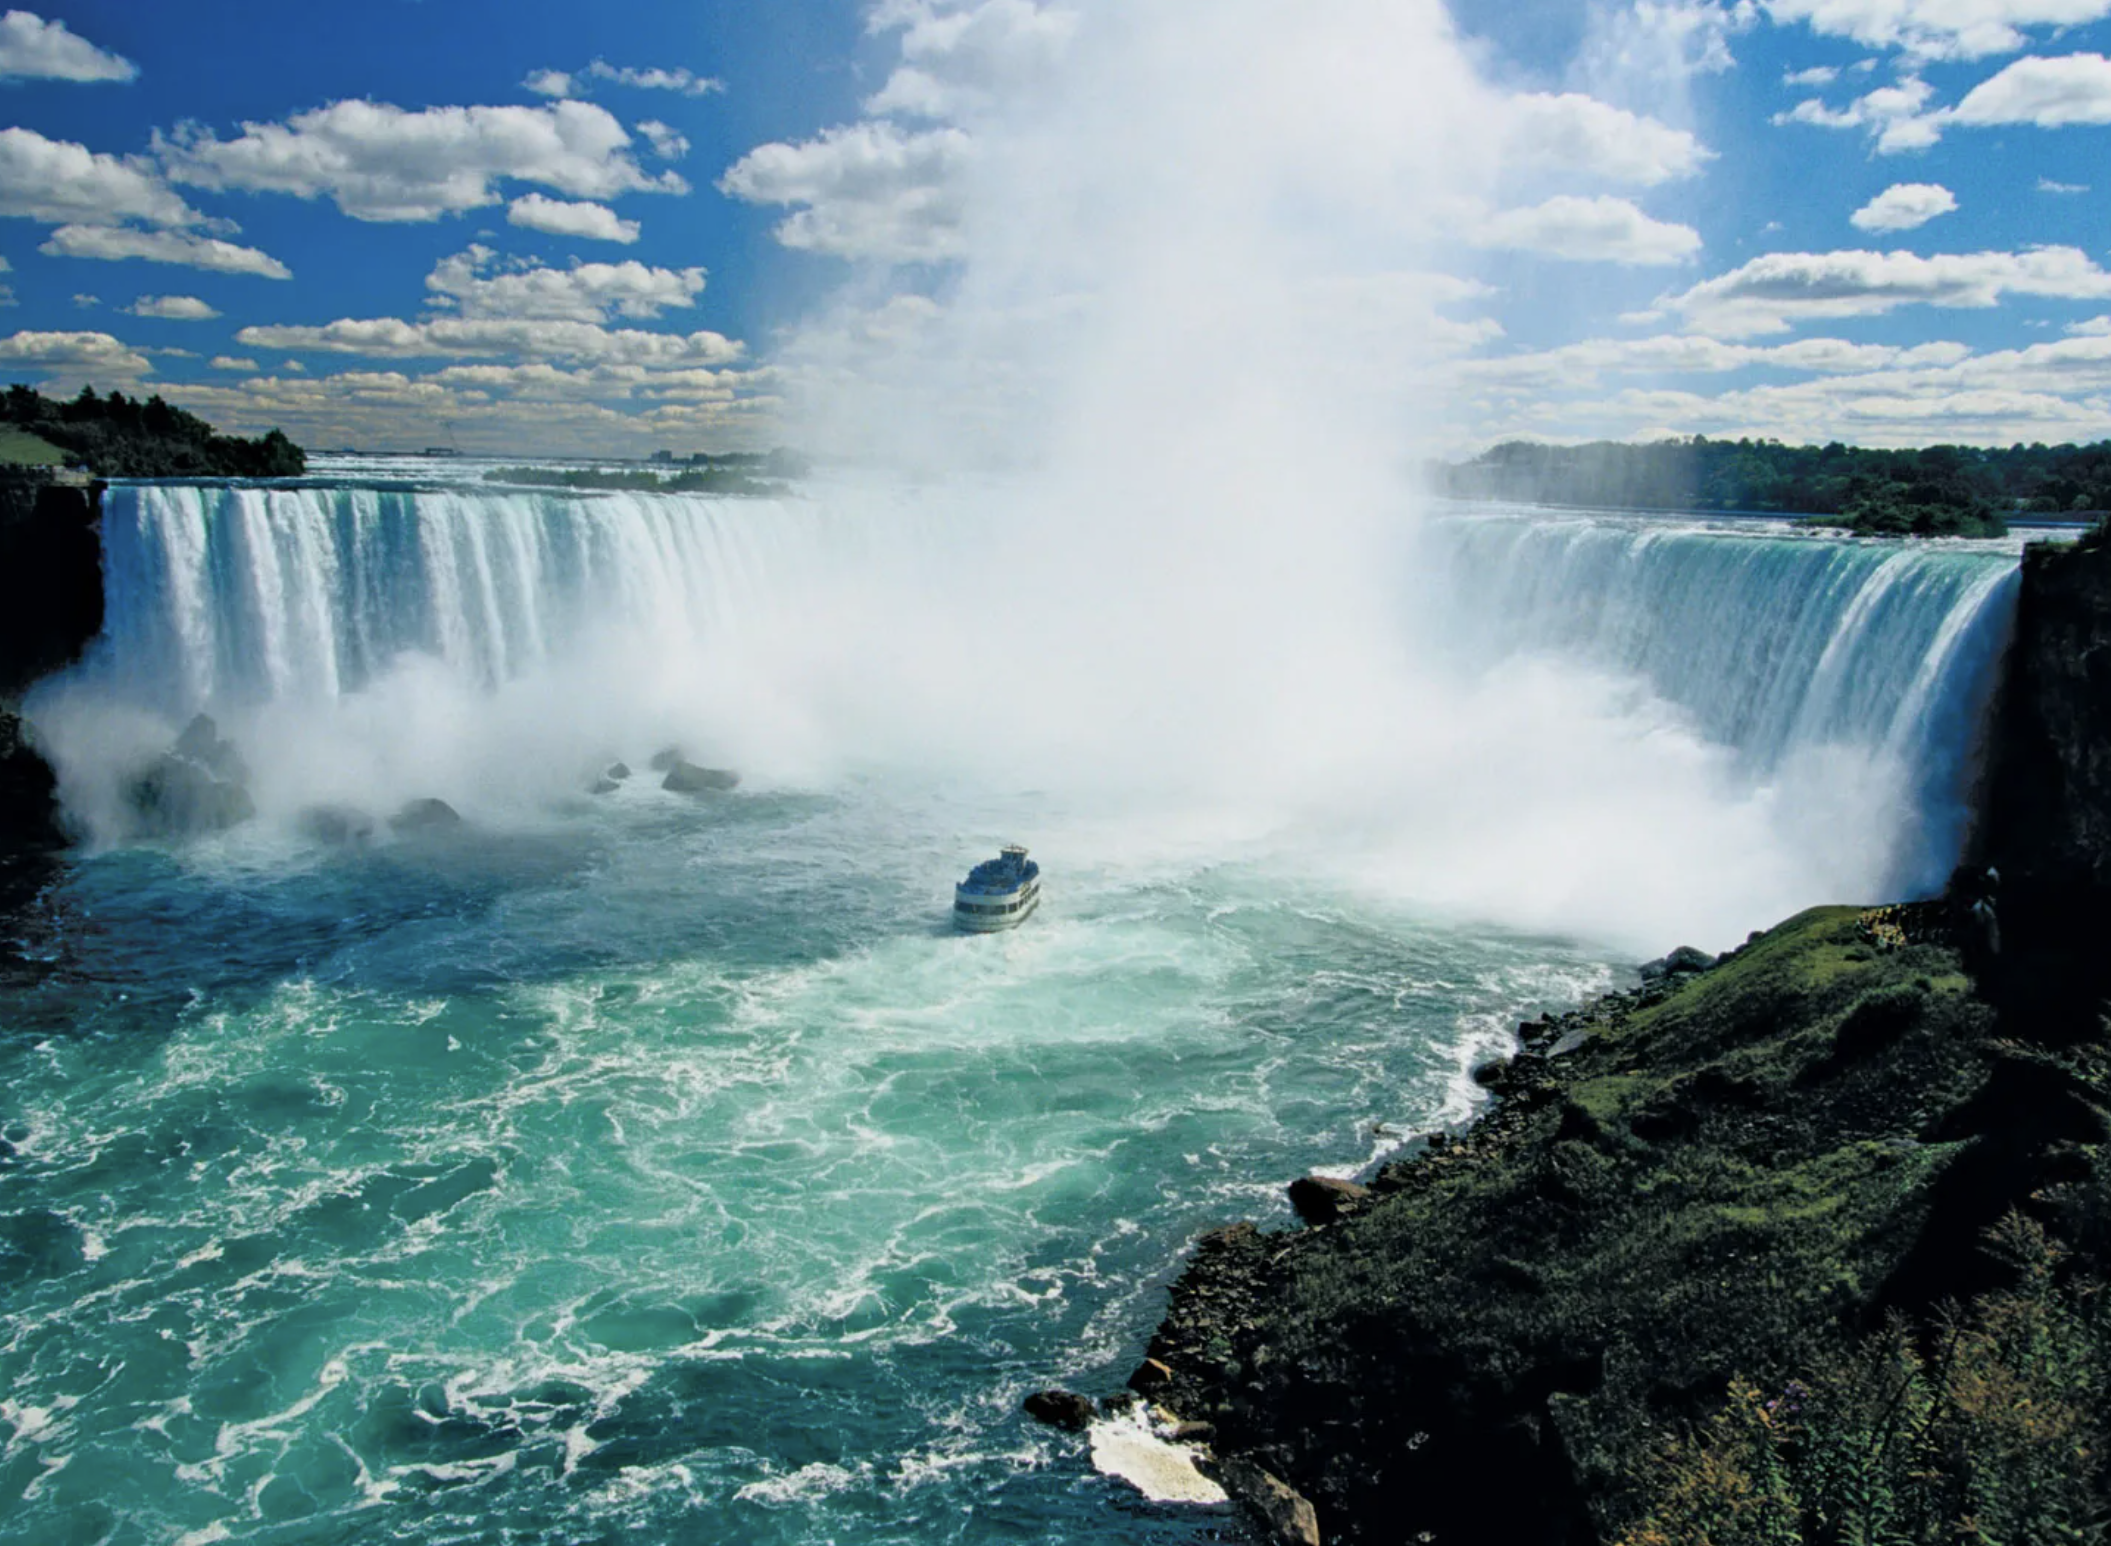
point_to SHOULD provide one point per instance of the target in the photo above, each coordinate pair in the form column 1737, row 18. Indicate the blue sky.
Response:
column 611, row 227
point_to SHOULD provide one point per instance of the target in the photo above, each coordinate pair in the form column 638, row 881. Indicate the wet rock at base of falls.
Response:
column 29, row 792
column 603, row 786
column 340, row 826
column 426, row 815
column 1060, row 1409
column 1322, row 1199
column 177, row 796
column 687, row 778
column 665, row 758
column 203, row 744
column 1683, row 959
column 616, row 772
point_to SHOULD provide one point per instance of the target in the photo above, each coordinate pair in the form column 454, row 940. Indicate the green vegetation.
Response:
column 1722, row 1184
column 123, row 437
column 19, row 448
column 1937, row 491
column 740, row 473
column 1988, row 1426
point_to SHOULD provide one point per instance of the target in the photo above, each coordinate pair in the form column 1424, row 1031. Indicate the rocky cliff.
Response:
column 2047, row 824
column 51, row 605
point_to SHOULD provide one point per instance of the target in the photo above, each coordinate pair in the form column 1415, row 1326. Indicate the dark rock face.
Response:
column 29, row 808
column 1322, row 1199
column 616, row 772
column 663, row 759
column 426, row 815
column 51, row 574
column 2046, row 823
column 687, row 778
column 1060, row 1409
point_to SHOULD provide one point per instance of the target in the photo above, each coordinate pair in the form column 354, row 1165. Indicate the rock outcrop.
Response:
column 51, row 573
column 199, row 785
column 2046, row 825
column 427, row 815
column 685, row 777
column 29, row 805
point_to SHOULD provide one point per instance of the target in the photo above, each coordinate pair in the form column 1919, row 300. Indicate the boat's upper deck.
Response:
column 1000, row 876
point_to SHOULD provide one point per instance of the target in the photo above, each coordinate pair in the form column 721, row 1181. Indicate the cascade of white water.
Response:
column 1806, row 708
column 1775, row 644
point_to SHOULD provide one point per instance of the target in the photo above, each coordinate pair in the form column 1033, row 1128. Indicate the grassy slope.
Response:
column 1725, row 1177
column 19, row 448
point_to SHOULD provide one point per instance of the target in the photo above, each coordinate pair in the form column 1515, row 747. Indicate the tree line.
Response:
column 1937, row 490
column 128, row 437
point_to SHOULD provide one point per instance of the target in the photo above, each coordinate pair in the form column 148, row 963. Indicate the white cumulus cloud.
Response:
column 956, row 60
column 32, row 48
column 570, row 83
column 1571, row 132
column 560, row 217
column 231, row 362
column 113, row 243
column 1904, row 207
column 60, row 182
column 1939, row 29
column 493, row 337
column 172, row 308
column 870, row 190
column 667, row 142
column 1897, row 117
column 1774, row 293
column 1605, row 230
column 2050, row 93
column 380, row 162
column 92, row 354
column 586, row 292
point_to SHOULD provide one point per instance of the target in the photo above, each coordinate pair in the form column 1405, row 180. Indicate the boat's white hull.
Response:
column 993, row 914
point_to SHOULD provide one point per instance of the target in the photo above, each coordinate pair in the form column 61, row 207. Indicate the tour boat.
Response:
column 999, row 893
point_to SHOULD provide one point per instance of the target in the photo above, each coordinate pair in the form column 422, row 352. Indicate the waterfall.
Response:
column 1773, row 643
column 1805, row 711
column 222, row 596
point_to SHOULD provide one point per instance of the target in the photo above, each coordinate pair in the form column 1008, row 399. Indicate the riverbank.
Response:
column 1728, row 1175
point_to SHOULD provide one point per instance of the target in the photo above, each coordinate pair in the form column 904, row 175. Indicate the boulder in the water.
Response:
column 203, row 744
column 604, row 786
column 176, row 796
column 1323, row 1199
column 1060, row 1409
column 427, row 815
column 687, row 778
column 338, row 825
column 665, row 758
column 617, row 772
